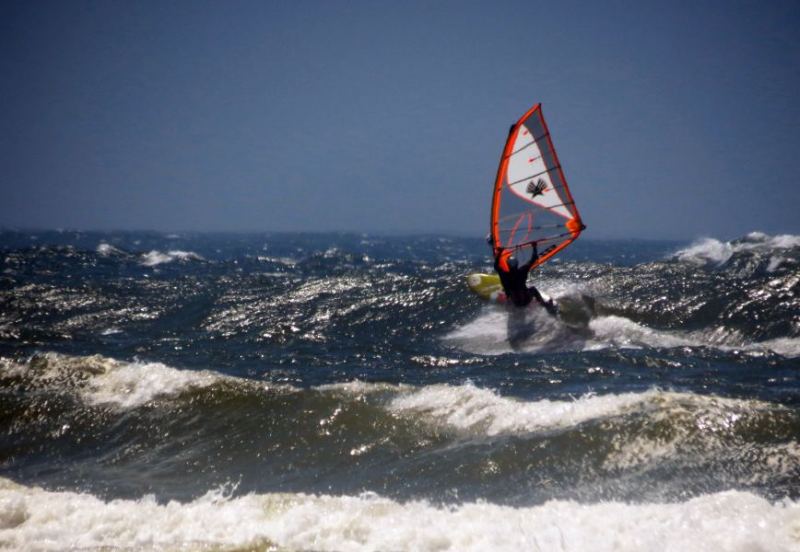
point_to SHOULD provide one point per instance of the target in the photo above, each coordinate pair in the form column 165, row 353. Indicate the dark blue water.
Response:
column 326, row 365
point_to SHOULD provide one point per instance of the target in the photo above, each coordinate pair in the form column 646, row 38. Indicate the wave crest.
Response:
column 104, row 381
column 155, row 257
column 35, row 519
column 713, row 251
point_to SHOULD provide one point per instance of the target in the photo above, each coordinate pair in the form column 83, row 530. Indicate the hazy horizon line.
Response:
column 353, row 232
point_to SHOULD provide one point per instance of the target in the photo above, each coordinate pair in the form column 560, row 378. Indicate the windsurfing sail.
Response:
column 532, row 204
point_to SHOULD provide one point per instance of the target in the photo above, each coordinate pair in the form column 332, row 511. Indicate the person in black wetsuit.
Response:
column 514, row 279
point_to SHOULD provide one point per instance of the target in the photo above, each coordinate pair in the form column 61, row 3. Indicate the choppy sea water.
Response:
column 347, row 392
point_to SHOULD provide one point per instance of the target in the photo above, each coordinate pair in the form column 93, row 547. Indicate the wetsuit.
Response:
column 514, row 280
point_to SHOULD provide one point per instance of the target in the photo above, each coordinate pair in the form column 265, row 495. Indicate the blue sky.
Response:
column 672, row 120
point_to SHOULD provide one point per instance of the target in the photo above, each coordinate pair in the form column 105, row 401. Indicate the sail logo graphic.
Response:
column 536, row 189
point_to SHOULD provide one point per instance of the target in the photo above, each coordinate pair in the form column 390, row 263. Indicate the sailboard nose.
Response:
column 474, row 280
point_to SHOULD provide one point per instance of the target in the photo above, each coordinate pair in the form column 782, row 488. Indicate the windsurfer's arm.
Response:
column 534, row 253
column 534, row 257
column 548, row 305
column 536, row 294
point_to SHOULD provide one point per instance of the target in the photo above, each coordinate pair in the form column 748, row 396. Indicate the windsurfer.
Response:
column 514, row 278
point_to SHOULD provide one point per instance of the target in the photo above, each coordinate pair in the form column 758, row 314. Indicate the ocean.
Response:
column 347, row 392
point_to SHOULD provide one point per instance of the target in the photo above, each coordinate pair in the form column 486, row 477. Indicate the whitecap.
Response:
column 102, row 380
column 107, row 250
column 710, row 250
column 485, row 412
column 618, row 331
column 38, row 520
column 706, row 250
column 784, row 346
column 155, row 257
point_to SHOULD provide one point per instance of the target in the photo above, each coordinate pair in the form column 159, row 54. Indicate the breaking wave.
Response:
column 710, row 250
column 103, row 381
column 483, row 411
column 155, row 258
column 38, row 520
column 108, row 250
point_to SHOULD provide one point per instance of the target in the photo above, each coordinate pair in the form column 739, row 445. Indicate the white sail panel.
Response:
column 529, row 178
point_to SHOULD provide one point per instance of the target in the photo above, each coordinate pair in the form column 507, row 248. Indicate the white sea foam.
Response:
column 155, row 257
column 131, row 384
column 492, row 333
column 102, row 380
column 615, row 331
column 618, row 331
column 782, row 241
column 775, row 263
column 107, row 250
column 37, row 520
column 710, row 250
column 488, row 334
column 483, row 411
column 489, row 328
column 288, row 261
column 706, row 250
column 786, row 346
